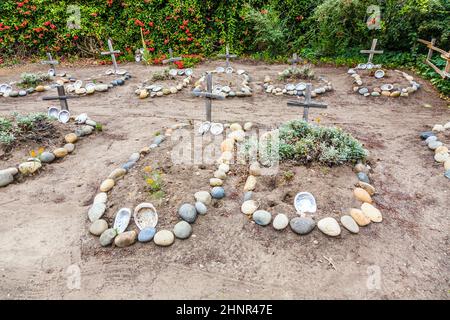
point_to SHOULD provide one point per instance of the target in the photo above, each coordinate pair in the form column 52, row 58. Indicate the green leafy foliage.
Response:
column 33, row 79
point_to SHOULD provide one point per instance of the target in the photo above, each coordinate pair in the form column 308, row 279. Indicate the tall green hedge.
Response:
column 202, row 26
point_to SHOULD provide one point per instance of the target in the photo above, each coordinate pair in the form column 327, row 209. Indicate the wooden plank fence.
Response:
column 445, row 55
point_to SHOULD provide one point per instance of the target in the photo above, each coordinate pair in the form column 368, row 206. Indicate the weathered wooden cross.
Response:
column 51, row 62
column 227, row 56
column 444, row 55
column 112, row 53
column 209, row 96
column 61, row 97
column 295, row 59
column 372, row 51
column 307, row 103
column 172, row 58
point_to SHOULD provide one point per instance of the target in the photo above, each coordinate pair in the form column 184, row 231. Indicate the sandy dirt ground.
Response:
column 44, row 240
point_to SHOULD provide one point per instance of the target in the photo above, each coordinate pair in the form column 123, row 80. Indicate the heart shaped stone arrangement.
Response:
column 183, row 78
column 387, row 90
column 32, row 165
column 241, row 91
column 441, row 152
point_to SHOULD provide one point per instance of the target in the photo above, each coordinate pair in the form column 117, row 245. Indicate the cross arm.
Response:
column 209, row 95
column 171, row 60
column 308, row 105
column 60, row 98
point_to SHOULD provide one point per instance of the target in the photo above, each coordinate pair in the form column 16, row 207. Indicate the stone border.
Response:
column 441, row 152
column 244, row 91
column 278, row 91
column 96, row 87
column 394, row 92
column 145, row 91
column 32, row 165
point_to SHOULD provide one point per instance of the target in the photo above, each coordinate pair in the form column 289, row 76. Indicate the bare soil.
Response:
column 44, row 233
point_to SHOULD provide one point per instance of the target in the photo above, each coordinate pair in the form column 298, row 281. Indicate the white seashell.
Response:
column 305, row 202
column 379, row 74
column 362, row 66
column 173, row 72
column 78, row 84
column 300, row 87
column 121, row 72
column 145, row 216
column 387, row 87
column 53, row 112
column 81, row 118
column 369, row 65
column 122, row 220
column 204, row 127
column 229, row 70
column 220, row 69
column 188, row 72
column 51, row 72
column 216, row 128
column 240, row 71
column 109, row 72
column 157, row 88
column 64, row 116
column 5, row 88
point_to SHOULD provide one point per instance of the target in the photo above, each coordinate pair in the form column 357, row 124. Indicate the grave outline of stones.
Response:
column 307, row 103
column 172, row 59
column 372, row 50
column 62, row 97
column 51, row 62
column 111, row 53
column 209, row 96
column 445, row 55
column 227, row 56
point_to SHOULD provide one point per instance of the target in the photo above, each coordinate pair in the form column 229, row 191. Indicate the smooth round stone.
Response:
column 349, row 224
column 249, row 207
column 363, row 177
column 23, row 93
column 447, row 174
column 79, row 132
column 426, row 135
column 14, row 93
column 255, row 169
column 201, row 208
column 101, row 87
column 360, row 167
column 146, row 234
column 125, row 239
column 224, row 167
column 127, row 166
column 441, row 149
column 69, row 147
column 262, row 217
column 29, row 167
column 235, row 127
column 12, row 170
column 219, row 174
column 441, row 157
column 116, row 174
column 134, row 157
column 433, row 145
column 217, row 192
column 227, row 145
column 164, row 238
column 366, row 186
column 143, row 94
column 447, row 164
column 360, row 218
column 431, row 138
column 60, row 152
column 280, row 222
column 91, row 123
column 203, row 196
column 98, row 227
column 96, row 211
column 40, row 88
column 250, row 183
column 46, row 157
column 120, row 82
column 107, row 237
column 182, row 230
column 248, row 195
column 5, row 178
column 362, row 195
column 438, row 127
column 215, row 182
column 329, row 226
column 107, row 185
column 302, row 225
column 87, row 130
column 101, row 197
column 371, row 212
column 188, row 212
column 159, row 139
column 248, row 126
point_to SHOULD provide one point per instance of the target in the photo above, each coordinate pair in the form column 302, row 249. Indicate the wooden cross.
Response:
column 209, row 96
column 295, row 59
column 50, row 61
column 307, row 103
column 61, row 97
column 112, row 53
column 171, row 59
column 372, row 50
column 227, row 56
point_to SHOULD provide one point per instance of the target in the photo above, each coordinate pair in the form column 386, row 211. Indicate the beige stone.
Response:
column 107, row 185
column 362, row 195
column 359, row 216
column 60, row 152
column 371, row 212
column 250, row 183
column 71, row 138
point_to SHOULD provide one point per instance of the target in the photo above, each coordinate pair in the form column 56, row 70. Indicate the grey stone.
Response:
column 363, row 177
column 47, row 157
column 98, row 227
column 159, row 139
column 182, row 230
column 127, row 166
column 302, row 225
column 91, row 123
column 96, row 211
column 217, row 192
column 433, row 145
column 107, row 237
column 134, row 157
column 262, row 217
column 5, row 178
column 146, row 234
column 248, row 195
column 201, row 208
column 430, row 138
column 187, row 212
